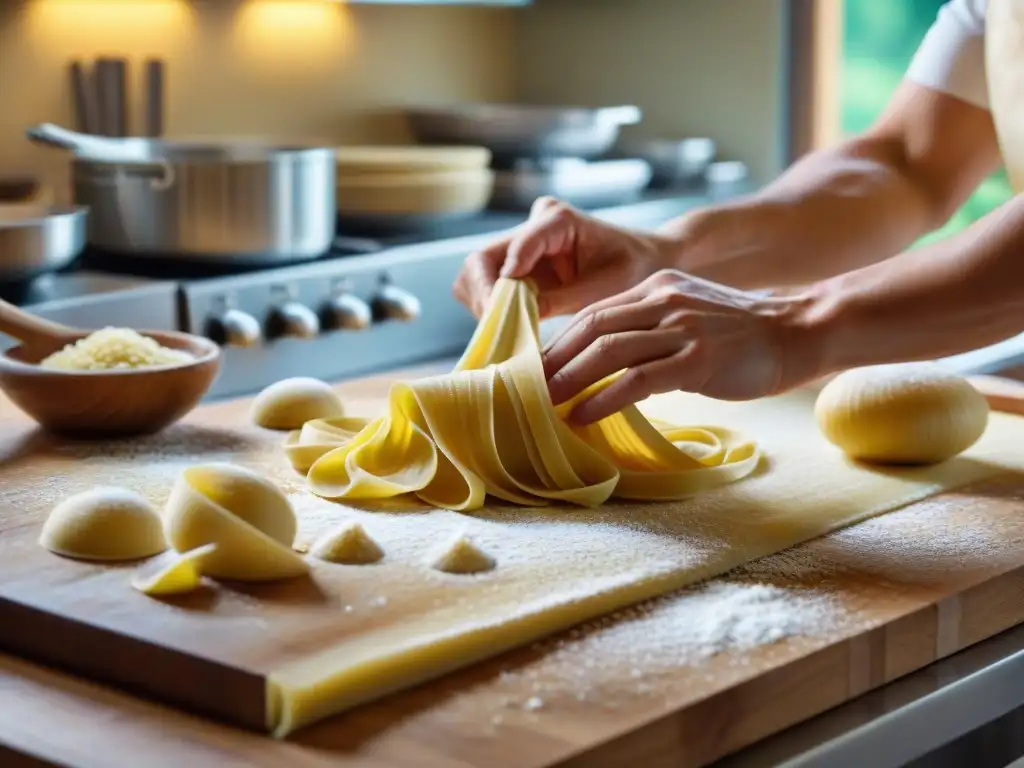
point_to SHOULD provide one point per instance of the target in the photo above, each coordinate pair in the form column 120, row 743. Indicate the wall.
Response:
column 696, row 67
column 284, row 69
column 306, row 69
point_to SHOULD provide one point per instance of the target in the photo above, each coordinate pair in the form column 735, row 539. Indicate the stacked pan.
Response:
column 403, row 189
column 576, row 154
column 539, row 150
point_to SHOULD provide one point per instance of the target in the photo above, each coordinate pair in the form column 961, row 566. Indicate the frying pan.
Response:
column 36, row 239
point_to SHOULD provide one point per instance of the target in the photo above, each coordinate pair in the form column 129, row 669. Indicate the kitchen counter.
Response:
column 621, row 682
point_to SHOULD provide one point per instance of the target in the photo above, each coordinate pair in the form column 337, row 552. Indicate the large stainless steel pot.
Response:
column 37, row 239
column 244, row 202
column 518, row 131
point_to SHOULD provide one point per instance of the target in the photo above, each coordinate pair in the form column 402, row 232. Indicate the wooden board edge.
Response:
column 751, row 711
column 235, row 696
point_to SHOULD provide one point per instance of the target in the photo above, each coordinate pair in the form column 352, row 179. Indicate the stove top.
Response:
column 367, row 305
column 97, row 272
column 70, row 286
column 168, row 267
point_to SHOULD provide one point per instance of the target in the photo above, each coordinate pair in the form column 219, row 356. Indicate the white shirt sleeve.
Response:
column 951, row 58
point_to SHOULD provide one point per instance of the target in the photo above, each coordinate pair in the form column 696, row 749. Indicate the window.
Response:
column 879, row 38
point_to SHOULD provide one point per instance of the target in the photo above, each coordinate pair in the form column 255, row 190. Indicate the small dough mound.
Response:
column 110, row 524
column 290, row 403
column 462, row 556
column 246, row 516
column 907, row 413
column 349, row 545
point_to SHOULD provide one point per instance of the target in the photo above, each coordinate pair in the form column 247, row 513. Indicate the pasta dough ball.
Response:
column 907, row 413
column 247, row 517
column 104, row 524
column 290, row 403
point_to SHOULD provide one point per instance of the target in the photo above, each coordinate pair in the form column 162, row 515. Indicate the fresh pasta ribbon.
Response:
column 489, row 428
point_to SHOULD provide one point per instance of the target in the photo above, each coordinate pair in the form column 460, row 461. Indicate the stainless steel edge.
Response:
column 908, row 718
column 990, row 359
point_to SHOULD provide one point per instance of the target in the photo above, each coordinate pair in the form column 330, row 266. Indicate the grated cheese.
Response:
column 112, row 349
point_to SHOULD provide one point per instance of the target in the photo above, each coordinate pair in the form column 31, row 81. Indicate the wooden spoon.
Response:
column 94, row 404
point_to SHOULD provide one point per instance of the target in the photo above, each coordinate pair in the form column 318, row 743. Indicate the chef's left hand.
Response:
column 677, row 332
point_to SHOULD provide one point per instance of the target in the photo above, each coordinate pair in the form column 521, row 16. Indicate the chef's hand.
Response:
column 677, row 332
column 574, row 259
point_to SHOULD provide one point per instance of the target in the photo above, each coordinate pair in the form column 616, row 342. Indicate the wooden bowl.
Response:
column 114, row 403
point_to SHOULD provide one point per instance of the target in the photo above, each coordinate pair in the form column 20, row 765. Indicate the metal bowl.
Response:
column 577, row 182
column 37, row 239
column 728, row 178
column 674, row 162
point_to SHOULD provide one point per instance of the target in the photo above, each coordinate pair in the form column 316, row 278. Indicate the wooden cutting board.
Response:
column 907, row 588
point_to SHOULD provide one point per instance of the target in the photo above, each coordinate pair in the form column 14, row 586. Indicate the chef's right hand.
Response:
column 574, row 259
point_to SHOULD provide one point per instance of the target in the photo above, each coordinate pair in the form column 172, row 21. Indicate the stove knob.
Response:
column 343, row 311
column 292, row 319
column 394, row 303
column 234, row 328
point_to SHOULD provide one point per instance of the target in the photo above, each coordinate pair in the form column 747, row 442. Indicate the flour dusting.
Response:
column 633, row 651
column 799, row 593
column 920, row 543
column 149, row 464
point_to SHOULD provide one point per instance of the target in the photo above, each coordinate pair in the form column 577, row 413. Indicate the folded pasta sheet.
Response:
column 489, row 428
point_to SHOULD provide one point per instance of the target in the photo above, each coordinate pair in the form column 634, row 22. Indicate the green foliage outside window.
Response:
column 879, row 40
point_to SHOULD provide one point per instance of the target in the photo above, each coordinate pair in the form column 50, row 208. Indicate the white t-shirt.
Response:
column 951, row 58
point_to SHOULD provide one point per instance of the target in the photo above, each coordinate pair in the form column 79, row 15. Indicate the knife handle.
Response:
column 83, row 91
column 119, row 88
column 155, row 87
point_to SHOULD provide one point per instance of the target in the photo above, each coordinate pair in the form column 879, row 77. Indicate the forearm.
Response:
column 834, row 211
column 956, row 295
